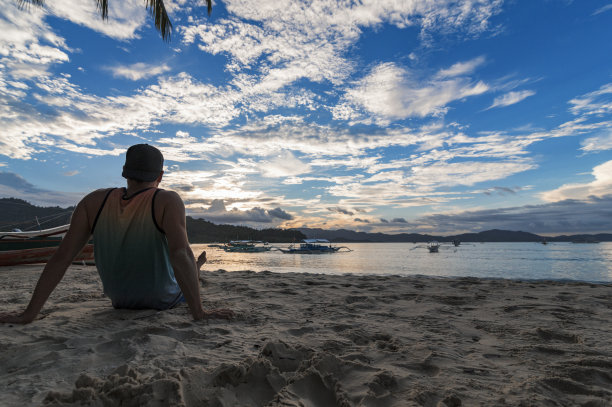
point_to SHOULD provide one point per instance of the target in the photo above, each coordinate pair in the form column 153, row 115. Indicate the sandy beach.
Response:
column 313, row 340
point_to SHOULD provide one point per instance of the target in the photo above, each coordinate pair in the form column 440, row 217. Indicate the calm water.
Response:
column 585, row 262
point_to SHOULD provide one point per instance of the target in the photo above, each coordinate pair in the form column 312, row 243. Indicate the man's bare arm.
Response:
column 77, row 236
column 181, row 256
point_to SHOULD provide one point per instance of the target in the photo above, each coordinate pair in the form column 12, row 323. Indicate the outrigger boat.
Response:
column 246, row 246
column 35, row 247
column 313, row 246
column 433, row 247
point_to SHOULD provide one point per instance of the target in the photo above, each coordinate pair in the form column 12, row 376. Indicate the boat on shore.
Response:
column 246, row 246
column 313, row 246
column 433, row 247
column 19, row 247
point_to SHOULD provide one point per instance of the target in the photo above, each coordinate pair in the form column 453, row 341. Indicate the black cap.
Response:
column 143, row 163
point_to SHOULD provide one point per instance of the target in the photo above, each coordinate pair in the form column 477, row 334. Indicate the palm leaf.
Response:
column 103, row 8
column 156, row 8
column 26, row 3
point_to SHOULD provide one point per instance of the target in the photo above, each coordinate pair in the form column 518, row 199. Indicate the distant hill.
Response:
column 17, row 213
column 203, row 231
column 20, row 214
column 495, row 235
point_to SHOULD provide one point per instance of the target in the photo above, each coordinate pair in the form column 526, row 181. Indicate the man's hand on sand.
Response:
column 15, row 318
column 201, row 260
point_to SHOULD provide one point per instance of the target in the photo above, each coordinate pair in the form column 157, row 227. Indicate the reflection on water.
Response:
column 585, row 262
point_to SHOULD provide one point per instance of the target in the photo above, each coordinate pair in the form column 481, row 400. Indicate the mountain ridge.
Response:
column 16, row 212
column 492, row 235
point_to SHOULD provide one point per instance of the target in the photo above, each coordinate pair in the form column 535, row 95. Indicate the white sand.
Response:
column 313, row 340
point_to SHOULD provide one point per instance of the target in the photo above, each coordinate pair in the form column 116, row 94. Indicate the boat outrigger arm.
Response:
column 38, row 233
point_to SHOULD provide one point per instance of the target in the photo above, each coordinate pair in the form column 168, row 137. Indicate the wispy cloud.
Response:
column 125, row 17
column 511, row 98
column 392, row 92
column 138, row 71
column 603, row 9
column 600, row 142
column 461, row 68
column 594, row 103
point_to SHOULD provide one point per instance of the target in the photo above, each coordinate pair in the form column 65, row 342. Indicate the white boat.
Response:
column 433, row 247
column 247, row 246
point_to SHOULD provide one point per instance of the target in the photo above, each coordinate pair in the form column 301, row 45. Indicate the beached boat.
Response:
column 19, row 247
column 313, row 246
column 247, row 246
column 433, row 247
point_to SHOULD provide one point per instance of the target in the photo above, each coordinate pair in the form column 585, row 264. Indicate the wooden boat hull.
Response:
column 13, row 244
column 39, row 255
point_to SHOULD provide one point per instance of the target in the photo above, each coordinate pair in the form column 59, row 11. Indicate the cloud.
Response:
column 502, row 190
column 593, row 103
column 138, row 71
column 341, row 211
column 279, row 213
column 461, row 68
column 14, row 186
column 359, row 220
column 598, row 143
column 603, row 9
column 283, row 165
column 398, row 220
column 511, row 98
column 125, row 17
column 392, row 92
column 599, row 187
column 562, row 217
column 218, row 213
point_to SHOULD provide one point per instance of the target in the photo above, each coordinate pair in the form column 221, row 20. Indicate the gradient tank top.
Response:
column 131, row 252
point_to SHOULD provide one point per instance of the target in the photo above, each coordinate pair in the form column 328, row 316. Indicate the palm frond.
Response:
column 40, row 3
column 162, row 21
column 103, row 8
column 155, row 7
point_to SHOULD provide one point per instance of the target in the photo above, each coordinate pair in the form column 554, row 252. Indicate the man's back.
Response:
column 131, row 252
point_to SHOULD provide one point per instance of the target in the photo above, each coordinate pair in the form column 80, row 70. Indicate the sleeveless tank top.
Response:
column 131, row 252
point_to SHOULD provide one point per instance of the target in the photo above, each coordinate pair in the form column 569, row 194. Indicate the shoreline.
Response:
column 315, row 339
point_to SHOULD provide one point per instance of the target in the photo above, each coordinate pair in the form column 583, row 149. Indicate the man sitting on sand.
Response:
column 140, row 243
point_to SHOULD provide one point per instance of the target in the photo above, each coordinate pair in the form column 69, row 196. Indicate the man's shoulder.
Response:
column 97, row 196
column 169, row 195
column 168, row 198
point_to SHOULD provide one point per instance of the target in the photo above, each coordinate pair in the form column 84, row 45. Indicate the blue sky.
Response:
column 385, row 116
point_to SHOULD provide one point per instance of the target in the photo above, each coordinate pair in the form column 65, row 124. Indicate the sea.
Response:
column 590, row 262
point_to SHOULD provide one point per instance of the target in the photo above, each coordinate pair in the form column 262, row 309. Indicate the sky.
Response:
column 390, row 116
